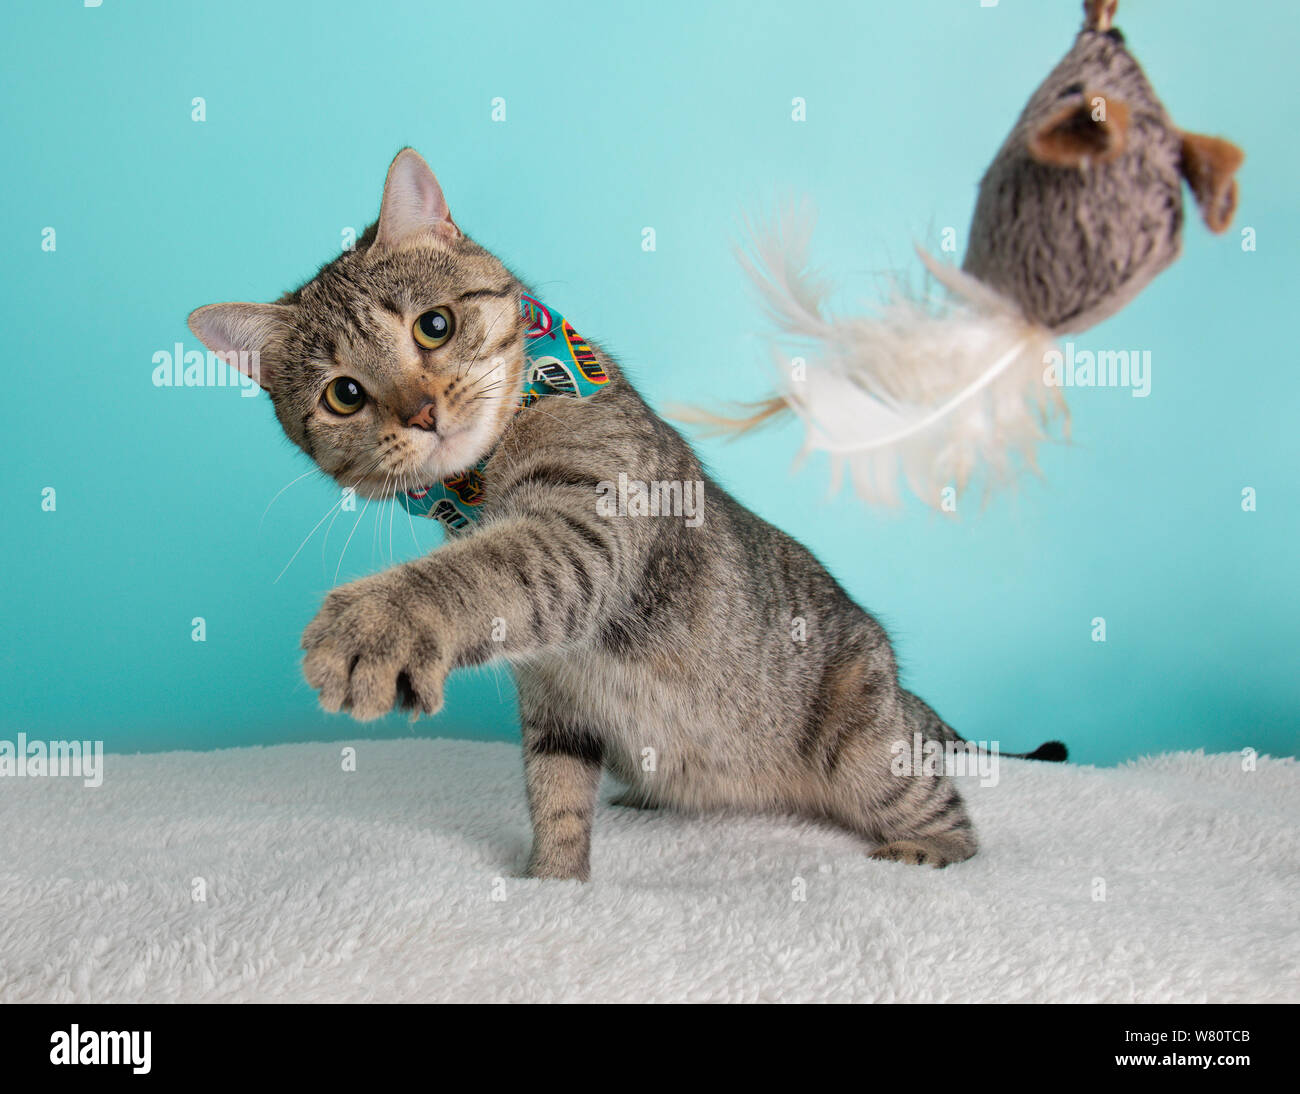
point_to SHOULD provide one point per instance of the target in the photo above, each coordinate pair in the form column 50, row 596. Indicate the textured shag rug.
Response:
column 1174, row 878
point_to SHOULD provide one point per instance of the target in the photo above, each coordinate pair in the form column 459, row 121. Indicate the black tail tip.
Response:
column 1053, row 752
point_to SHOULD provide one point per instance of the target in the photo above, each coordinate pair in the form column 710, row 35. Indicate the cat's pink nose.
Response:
column 424, row 418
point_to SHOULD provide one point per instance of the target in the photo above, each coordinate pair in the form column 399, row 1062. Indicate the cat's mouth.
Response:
column 439, row 456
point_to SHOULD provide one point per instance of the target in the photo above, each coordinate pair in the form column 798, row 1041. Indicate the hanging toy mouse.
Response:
column 1081, row 207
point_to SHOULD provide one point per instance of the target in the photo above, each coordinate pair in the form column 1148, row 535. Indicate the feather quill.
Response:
column 935, row 392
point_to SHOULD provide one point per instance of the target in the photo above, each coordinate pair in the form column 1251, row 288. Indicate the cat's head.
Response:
column 400, row 362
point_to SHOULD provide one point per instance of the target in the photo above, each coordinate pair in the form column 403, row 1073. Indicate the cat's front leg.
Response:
column 520, row 585
column 373, row 644
column 561, row 799
column 562, row 764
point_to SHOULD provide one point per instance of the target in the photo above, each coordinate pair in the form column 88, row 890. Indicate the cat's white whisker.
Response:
column 405, row 487
column 369, row 468
column 337, row 502
column 392, row 512
column 305, row 474
column 347, row 541
column 376, row 537
column 324, row 543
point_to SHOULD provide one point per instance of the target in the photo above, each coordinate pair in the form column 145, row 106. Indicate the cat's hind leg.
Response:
column 920, row 820
column 916, row 817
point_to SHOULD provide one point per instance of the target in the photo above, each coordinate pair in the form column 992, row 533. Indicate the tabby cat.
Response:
column 706, row 663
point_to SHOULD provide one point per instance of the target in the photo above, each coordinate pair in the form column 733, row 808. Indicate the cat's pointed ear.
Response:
column 240, row 334
column 414, row 205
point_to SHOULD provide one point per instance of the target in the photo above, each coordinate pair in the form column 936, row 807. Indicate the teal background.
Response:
column 670, row 115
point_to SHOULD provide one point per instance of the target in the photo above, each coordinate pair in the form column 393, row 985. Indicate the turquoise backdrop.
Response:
column 619, row 117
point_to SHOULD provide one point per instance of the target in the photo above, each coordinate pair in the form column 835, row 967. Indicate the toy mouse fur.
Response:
column 1081, row 207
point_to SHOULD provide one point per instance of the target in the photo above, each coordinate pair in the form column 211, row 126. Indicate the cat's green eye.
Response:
column 433, row 328
column 345, row 395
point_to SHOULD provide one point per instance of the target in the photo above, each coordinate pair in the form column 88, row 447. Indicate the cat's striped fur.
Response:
column 706, row 667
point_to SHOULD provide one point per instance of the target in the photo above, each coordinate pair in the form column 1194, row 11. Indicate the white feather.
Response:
column 937, row 392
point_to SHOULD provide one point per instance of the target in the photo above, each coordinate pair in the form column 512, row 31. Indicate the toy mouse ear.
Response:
column 1089, row 128
column 1208, row 165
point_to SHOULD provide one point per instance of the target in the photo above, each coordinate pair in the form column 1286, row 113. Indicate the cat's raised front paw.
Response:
column 365, row 655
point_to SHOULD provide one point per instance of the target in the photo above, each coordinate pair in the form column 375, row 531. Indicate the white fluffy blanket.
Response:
column 400, row 881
